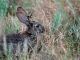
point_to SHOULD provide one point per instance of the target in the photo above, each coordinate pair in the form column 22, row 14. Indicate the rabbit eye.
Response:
column 37, row 25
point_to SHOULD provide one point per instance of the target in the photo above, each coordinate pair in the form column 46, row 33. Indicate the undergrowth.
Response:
column 69, row 26
column 64, row 21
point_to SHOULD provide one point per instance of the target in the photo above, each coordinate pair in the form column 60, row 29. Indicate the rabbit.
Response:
column 27, row 39
column 35, row 28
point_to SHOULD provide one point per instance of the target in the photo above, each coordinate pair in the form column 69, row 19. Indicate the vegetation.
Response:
column 62, row 32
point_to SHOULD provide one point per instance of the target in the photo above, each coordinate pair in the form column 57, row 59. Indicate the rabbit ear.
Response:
column 21, row 14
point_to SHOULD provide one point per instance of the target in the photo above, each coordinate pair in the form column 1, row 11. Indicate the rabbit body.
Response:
column 27, row 38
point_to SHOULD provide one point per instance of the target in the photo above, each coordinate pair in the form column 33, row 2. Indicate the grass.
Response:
column 62, row 42
column 12, row 25
column 3, row 8
column 71, row 31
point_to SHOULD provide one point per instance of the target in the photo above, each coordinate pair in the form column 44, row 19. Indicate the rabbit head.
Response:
column 33, row 26
column 37, row 27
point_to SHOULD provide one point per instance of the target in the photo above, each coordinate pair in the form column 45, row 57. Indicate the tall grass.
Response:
column 69, row 26
column 65, row 26
column 3, row 7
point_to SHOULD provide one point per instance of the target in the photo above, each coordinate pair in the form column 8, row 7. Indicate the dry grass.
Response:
column 54, row 46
